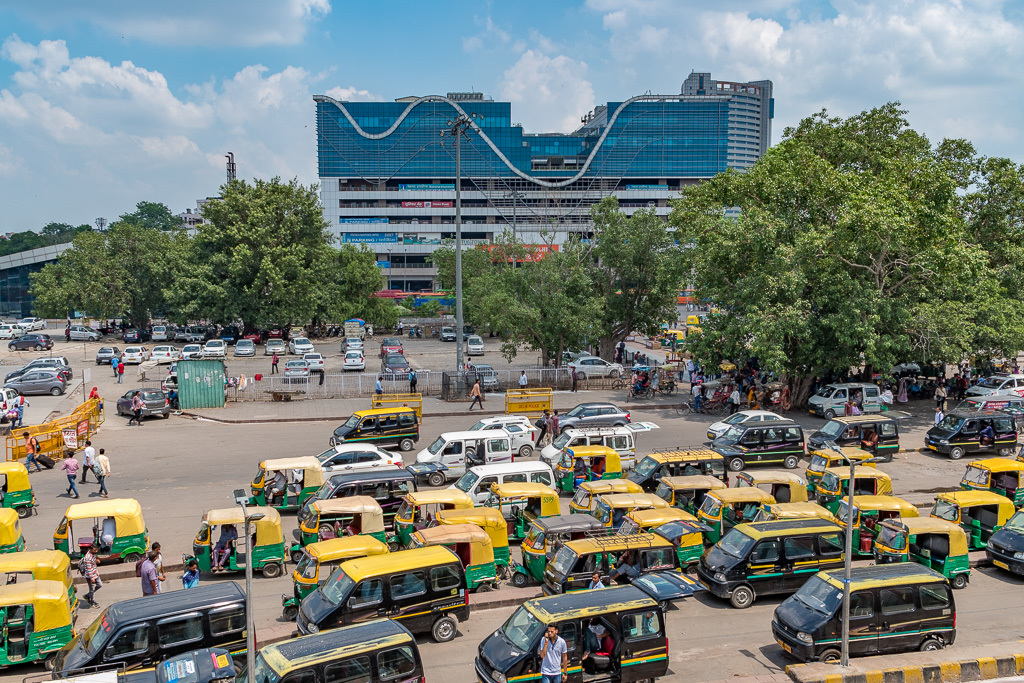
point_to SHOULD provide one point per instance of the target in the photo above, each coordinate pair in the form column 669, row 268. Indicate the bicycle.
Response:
column 642, row 393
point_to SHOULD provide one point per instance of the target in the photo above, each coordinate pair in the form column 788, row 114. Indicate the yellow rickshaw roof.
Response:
column 306, row 462
column 31, row 560
column 17, row 476
column 482, row 517
column 346, row 546
column 49, row 600
column 804, row 509
column 694, row 481
column 999, row 465
column 117, row 508
column 590, row 451
column 844, row 473
column 440, row 496
column 772, row 478
column 268, row 529
column 884, row 503
column 481, row 549
column 933, row 525
column 8, row 517
column 606, row 486
column 969, row 498
column 851, row 452
column 522, row 490
column 657, row 516
column 758, row 530
column 362, row 505
column 383, row 411
column 403, row 560
column 747, row 494
column 686, row 455
column 625, row 500
column 881, row 575
column 617, row 543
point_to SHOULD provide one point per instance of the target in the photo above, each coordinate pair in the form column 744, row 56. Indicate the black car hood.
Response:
column 70, row 657
column 939, row 433
column 1011, row 539
column 725, row 446
column 500, row 653
column 316, row 608
column 342, row 431
column 799, row 616
column 718, row 560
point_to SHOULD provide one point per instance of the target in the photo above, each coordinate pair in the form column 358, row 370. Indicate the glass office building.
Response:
column 388, row 176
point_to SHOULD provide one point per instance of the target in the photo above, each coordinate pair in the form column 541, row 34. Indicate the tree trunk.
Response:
column 800, row 389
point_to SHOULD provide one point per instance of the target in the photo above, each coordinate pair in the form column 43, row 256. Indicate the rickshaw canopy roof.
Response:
column 44, row 564
column 802, row 510
column 634, row 500
column 590, row 452
column 10, row 528
column 488, row 519
column 313, row 473
column 972, row 498
column 440, row 497
column 268, row 529
column 688, row 455
column 568, row 523
column 522, row 490
column 346, row 547
column 885, row 504
column 481, row 551
column 694, row 481
column 747, row 494
column 932, row 525
column 17, row 476
column 127, row 514
column 772, row 478
column 403, row 560
column 639, row 541
column 49, row 600
column 364, row 506
column 851, row 452
column 607, row 486
column 997, row 465
column 653, row 517
column 881, row 575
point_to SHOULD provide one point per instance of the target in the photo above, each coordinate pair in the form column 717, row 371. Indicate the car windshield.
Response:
column 190, row 347
column 262, row 673
column 951, row 423
column 467, row 481
column 352, row 422
column 820, row 596
column 991, row 382
column 824, row 392
column 736, row 543
column 295, row 364
column 575, row 412
column 561, row 441
column 946, row 510
column 353, row 356
column 132, row 349
column 96, row 636
column 646, row 467
column 736, row 419
column 436, row 446
column 832, row 429
column 892, row 538
column 337, row 588
column 244, row 343
column 522, row 629
column 302, row 341
column 734, row 433
column 1016, row 522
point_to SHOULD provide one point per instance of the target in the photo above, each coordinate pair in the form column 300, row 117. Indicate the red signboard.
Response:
column 427, row 205
column 534, row 252
column 83, row 429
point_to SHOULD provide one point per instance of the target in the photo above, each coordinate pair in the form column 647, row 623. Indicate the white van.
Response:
column 830, row 400
column 518, row 427
column 454, row 449
column 620, row 439
column 477, row 480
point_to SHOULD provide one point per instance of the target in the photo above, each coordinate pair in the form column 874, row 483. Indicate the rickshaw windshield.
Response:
column 435, row 447
column 977, row 476
column 262, row 673
column 603, row 513
column 665, row 493
column 892, row 538
column 352, row 422
column 711, row 507
column 467, row 481
column 830, row 481
column 493, row 501
column 535, row 539
column 582, row 497
column 820, row 596
column 522, row 629
column 1016, row 522
column 736, row 543
column 566, row 460
column 309, row 518
column 306, row 568
column 628, row 527
column 564, row 560
column 819, row 463
column 404, row 510
column 833, row 428
column 945, row 510
column 337, row 587
column 96, row 636
column 951, row 423
column 844, row 510
column 646, row 467
column 562, row 441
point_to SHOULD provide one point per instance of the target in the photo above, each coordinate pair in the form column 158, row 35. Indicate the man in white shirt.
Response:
column 90, row 460
column 554, row 660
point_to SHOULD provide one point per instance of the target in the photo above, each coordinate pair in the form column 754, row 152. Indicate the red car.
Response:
column 255, row 336
column 390, row 345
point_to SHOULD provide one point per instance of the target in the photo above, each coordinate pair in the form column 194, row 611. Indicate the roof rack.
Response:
column 614, row 538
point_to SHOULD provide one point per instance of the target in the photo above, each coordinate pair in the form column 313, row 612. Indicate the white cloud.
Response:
column 550, row 93
column 8, row 162
column 352, row 95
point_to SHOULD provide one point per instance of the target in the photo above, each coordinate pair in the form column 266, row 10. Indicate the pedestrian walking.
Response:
column 89, row 568
column 31, row 451
column 120, row 372
column 476, row 395
column 150, row 579
column 412, row 381
column 575, row 377
column 553, row 425
column 67, row 334
column 190, row 579
column 70, row 467
column 158, row 562
column 940, row 395
column 136, row 406
column 102, row 470
column 542, row 425
column 697, row 389
column 379, row 388
column 553, row 658
column 939, row 417
column 734, row 400
column 88, row 460
column 273, row 363
column 522, row 380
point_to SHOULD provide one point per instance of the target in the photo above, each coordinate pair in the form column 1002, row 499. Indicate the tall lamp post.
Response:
column 457, row 127
column 250, row 630
column 844, row 653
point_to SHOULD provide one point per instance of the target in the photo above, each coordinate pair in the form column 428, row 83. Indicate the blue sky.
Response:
column 103, row 104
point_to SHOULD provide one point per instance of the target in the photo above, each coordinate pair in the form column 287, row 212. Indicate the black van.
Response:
column 959, row 434
column 1005, row 548
column 148, row 630
column 761, row 443
column 680, row 462
column 877, row 433
column 633, row 620
column 398, row 427
column 769, row 558
column 893, row 608
column 385, row 486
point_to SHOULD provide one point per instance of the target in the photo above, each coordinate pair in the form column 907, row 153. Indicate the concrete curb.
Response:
column 978, row 669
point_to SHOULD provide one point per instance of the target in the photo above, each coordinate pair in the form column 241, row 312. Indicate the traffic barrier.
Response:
column 977, row 669
column 59, row 435
column 401, row 400
column 528, row 401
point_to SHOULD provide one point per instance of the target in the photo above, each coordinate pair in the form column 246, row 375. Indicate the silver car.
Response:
column 107, row 354
column 245, row 347
column 38, row 381
column 80, row 333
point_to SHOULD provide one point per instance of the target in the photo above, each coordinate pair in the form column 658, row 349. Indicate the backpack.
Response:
column 138, row 567
column 97, row 470
column 81, row 566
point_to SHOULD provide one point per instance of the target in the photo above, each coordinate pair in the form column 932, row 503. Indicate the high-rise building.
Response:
column 388, row 175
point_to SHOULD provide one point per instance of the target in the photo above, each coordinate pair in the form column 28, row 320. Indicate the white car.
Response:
column 215, row 348
column 354, row 360
column 352, row 343
column 741, row 417
column 474, row 346
column 315, row 361
column 353, row 457
column 159, row 334
column 296, row 369
column 135, row 354
column 245, row 347
column 165, row 354
column 32, row 324
column 299, row 346
column 11, row 331
column 998, row 384
column 191, row 351
column 592, row 366
column 518, row 427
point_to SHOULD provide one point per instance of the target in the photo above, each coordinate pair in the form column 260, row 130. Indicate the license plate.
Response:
column 934, row 448
column 1001, row 565
column 785, row 647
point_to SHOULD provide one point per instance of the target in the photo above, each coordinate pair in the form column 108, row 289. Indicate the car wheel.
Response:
column 959, row 581
column 444, row 630
column 56, row 391
column 1005, row 452
column 436, row 479
column 956, row 452
column 830, row 656
column 931, row 645
column 830, row 414
column 526, row 451
column 581, row 374
column 614, row 374
column 736, row 464
column 167, row 416
column 272, row 570
column 742, row 597
column 791, row 462
column 405, row 445
column 39, row 347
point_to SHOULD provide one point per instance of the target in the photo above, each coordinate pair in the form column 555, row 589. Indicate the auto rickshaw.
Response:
column 979, row 513
column 687, row 492
column 724, row 509
column 688, row 538
column 825, row 458
column 318, row 560
column 488, row 519
column 39, row 565
column 546, row 536
column 642, row 521
column 336, row 517
column 11, row 538
column 37, row 621
column 998, row 475
column 935, row 543
column 470, row 543
column 784, row 487
column 266, row 545
column 585, row 500
column 15, row 489
column 587, row 463
column 286, row 483
column 868, row 513
column 523, row 503
column 116, row 525
column 833, row 485
column 611, row 509
column 774, row 511
column 419, row 508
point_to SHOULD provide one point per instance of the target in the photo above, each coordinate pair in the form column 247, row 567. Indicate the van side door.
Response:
column 899, row 621
column 178, row 634
column 863, row 623
column 131, row 646
column 498, row 450
column 366, row 603
column 573, row 632
column 764, row 565
column 642, row 645
column 800, row 561
column 408, row 599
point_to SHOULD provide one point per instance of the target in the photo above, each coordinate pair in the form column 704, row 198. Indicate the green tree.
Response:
column 351, row 289
column 153, row 215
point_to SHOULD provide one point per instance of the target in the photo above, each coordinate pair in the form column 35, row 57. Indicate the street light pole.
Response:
column 250, row 628
column 457, row 129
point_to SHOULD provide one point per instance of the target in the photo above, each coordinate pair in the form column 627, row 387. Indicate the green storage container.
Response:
column 201, row 384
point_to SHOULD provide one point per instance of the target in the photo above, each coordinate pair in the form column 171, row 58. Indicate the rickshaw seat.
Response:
column 85, row 543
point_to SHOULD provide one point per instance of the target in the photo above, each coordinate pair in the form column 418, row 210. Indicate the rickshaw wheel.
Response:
column 394, row 547
column 520, row 580
column 291, row 612
column 132, row 558
column 619, row 384
column 24, row 511
column 271, row 570
column 830, row 656
column 444, row 630
column 296, row 554
column 683, row 408
column 50, row 660
column 959, row 581
column 691, row 570
column 436, row 479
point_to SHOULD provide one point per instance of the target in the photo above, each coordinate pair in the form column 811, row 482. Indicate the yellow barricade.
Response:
column 528, row 401
column 53, row 442
column 398, row 400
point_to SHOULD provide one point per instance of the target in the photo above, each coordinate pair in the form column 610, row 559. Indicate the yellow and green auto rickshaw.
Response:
column 612, row 508
column 15, row 489
column 724, row 509
column 37, row 621
column 318, row 560
column 579, row 464
column 585, row 500
column 998, row 475
column 646, row 520
column 774, row 511
column 676, row 526
column 39, row 565
column 834, row 484
column 267, row 544
column 687, row 492
column 11, row 538
column 979, row 513
column 824, row 458
column 868, row 513
column 935, row 543
column 491, row 521
column 286, row 483
column 419, row 508
column 470, row 543
column 521, row 503
column 546, row 536
column 337, row 517
column 116, row 525
column 784, row 487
